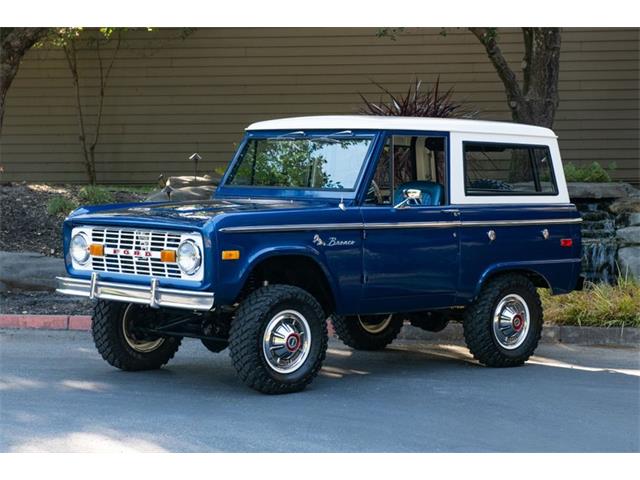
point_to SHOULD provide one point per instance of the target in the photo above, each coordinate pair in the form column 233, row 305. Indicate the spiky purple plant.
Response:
column 418, row 103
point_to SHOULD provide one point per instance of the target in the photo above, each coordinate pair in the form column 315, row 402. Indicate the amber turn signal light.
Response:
column 96, row 250
column 168, row 256
column 230, row 254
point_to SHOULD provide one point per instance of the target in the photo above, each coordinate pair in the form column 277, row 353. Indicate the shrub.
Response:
column 592, row 173
column 418, row 103
column 598, row 305
column 60, row 206
column 92, row 195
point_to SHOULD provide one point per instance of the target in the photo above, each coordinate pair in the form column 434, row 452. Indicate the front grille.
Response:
column 131, row 240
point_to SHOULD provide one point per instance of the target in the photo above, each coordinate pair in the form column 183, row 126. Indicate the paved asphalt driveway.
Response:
column 57, row 394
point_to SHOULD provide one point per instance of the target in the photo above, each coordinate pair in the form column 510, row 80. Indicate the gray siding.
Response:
column 169, row 96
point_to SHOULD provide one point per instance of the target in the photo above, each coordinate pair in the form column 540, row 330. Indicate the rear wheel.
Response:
column 503, row 326
column 367, row 332
column 118, row 333
column 278, row 339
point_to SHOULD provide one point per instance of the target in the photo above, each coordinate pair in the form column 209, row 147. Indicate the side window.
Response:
column 508, row 169
column 416, row 162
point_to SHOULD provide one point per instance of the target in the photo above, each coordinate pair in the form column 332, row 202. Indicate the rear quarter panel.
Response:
column 519, row 245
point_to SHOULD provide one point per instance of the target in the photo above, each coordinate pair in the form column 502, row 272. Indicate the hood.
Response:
column 181, row 213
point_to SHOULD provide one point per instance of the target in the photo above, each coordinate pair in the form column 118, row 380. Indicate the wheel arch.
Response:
column 296, row 266
column 537, row 278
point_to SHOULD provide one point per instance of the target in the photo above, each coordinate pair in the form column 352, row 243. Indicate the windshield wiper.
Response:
column 342, row 133
column 325, row 138
column 287, row 136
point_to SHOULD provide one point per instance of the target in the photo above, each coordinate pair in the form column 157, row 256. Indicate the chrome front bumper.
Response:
column 146, row 294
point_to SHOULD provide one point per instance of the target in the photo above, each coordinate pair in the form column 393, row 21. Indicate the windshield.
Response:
column 313, row 162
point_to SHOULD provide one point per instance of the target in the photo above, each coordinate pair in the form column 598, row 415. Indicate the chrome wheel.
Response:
column 374, row 324
column 286, row 341
column 138, row 344
column 511, row 321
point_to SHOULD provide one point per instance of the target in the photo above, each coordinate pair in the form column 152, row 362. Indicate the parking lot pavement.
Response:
column 57, row 394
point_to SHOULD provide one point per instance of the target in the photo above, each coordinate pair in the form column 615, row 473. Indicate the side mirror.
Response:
column 412, row 196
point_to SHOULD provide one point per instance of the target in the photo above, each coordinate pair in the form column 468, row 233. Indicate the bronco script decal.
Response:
column 332, row 242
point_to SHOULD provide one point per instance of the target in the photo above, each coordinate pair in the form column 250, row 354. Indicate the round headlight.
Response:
column 189, row 257
column 80, row 248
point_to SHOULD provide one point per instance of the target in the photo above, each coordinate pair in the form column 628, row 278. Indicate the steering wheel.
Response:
column 374, row 193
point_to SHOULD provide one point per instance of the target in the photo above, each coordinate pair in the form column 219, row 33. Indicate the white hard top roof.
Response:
column 373, row 122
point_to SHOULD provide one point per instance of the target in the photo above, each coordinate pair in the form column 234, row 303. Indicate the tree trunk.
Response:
column 15, row 43
column 71, row 55
column 537, row 100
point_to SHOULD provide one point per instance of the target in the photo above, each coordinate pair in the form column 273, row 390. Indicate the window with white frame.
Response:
column 508, row 169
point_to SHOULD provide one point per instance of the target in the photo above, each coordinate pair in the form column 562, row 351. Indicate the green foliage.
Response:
column 62, row 37
column 93, row 195
column 60, row 206
column 389, row 32
column 593, row 173
column 299, row 163
column 598, row 305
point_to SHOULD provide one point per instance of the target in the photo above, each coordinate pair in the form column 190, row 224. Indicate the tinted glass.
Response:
column 504, row 169
column 318, row 163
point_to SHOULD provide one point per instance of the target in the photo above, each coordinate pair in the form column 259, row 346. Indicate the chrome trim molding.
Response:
column 151, row 295
column 517, row 223
column 293, row 227
column 377, row 226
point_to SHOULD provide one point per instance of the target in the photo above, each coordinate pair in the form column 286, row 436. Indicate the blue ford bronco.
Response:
column 368, row 221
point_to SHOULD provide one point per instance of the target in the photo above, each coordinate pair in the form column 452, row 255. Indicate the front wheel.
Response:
column 118, row 331
column 368, row 332
column 503, row 325
column 278, row 339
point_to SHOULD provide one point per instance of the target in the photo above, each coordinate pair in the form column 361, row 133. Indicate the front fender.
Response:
column 234, row 275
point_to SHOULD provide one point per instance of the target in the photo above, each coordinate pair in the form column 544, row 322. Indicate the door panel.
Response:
column 410, row 257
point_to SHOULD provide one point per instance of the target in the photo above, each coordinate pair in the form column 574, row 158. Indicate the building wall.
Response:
column 169, row 96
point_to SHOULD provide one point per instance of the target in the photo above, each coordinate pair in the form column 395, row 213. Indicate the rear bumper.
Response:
column 150, row 295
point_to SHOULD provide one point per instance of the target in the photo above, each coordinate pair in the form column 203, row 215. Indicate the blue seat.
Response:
column 431, row 192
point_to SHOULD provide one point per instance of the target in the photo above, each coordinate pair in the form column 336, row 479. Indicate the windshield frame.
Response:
column 225, row 189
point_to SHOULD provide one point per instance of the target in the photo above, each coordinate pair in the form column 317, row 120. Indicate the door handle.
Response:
column 454, row 211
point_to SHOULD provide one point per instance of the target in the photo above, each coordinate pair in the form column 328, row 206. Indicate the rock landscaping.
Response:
column 611, row 229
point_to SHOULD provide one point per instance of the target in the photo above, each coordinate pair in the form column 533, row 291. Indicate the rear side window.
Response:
column 508, row 169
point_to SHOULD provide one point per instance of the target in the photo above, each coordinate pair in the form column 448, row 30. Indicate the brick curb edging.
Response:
column 46, row 322
column 453, row 332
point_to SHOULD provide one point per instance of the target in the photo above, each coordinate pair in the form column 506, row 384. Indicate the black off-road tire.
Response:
column 478, row 329
column 215, row 346
column 350, row 330
column 248, row 328
column 108, row 336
